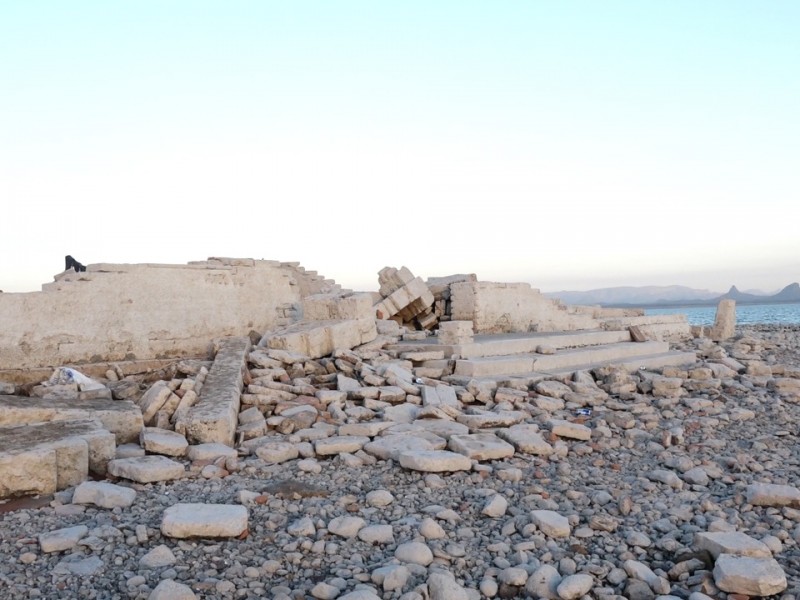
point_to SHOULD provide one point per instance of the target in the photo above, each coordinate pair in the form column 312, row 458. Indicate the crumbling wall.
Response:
column 118, row 311
column 512, row 307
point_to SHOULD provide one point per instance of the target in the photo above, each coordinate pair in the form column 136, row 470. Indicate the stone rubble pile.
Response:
column 322, row 462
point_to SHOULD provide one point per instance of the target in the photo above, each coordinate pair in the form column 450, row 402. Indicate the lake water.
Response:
column 746, row 314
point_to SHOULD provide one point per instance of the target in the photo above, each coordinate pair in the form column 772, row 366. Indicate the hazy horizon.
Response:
column 573, row 145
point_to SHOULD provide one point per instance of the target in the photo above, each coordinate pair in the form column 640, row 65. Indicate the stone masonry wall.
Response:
column 513, row 307
column 118, row 311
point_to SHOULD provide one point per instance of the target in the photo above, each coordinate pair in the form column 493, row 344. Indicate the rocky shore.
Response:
column 681, row 483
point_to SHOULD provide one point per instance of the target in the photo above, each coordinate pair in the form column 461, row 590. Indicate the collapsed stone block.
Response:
column 316, row 339
column 46, row 457
column 326, row 307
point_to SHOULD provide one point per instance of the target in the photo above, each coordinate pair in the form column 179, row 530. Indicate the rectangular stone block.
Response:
column 121, row 417
column 316, row 339
column 326, row 307
column 215, row 416
column 46, row 457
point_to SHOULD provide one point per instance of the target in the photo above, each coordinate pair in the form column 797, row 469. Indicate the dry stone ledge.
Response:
column 46, row 457
column 316, row 339
column 121, row 417
column 146, row 469
column 204, row 520
column 215, row 416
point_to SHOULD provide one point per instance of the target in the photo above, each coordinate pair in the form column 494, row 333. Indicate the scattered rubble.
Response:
column 323, row 462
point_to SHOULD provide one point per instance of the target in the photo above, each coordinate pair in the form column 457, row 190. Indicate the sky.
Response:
column 572, row 145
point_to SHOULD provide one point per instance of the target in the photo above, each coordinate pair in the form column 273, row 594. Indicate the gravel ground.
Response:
column 656, row 471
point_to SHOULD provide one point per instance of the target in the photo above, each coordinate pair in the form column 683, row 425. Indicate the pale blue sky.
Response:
column 569, row 144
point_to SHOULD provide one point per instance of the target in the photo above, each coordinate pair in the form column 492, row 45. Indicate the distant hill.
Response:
column 672, row 295
column 652, row 294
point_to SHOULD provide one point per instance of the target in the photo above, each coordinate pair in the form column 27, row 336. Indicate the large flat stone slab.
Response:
column 46, row 457
column 434, row 461
column 216, row 415
column 526, row 439
column 121, row 417
column 204, row 520
column 146, row 469
column 481, row 446
column 731, row 542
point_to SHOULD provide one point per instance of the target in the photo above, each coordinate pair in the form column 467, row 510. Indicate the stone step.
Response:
column 215, row 416
column 517, row 343
column 121, row 417
column 47, row 457
column 661, row 327
column 634, row 363
column 566, row 359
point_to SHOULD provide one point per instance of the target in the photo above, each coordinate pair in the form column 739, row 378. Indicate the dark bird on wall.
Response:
column 71, row 263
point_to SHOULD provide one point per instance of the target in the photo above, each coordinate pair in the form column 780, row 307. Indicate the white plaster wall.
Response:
column 113, row 312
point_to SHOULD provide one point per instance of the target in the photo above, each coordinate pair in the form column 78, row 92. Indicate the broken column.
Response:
column 725, row 321
column 406, row 298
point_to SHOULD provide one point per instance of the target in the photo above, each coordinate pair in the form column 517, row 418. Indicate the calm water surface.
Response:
column 746, row 314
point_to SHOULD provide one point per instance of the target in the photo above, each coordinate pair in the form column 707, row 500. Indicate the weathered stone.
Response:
column 209, row 451
column 543, row 583
column 163, row 441
column 204, row 520
column 551, row 523
column 573, row 587
column 481, row 446
column 146, row 469
column 731, row 542
column 391, row 446
column 443, row 586
column 103, row 494
column 277, row 452
column 168, row 589
column 526, row 439
column 434, row 461
column 62, row 539
column 568, row 429
column 724, row 321
column 495, row 507
column 215, row 416
column 749, row 576
column 346, row 527
column 160, row 556
column 122, row 418
column 43, row 458
column 339, row 444
column 768, row 494
column 415, row 553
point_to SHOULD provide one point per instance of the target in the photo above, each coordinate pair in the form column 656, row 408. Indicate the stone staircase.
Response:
column 539, row 355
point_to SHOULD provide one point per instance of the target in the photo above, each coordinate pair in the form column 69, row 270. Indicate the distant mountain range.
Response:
column 672, row 295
